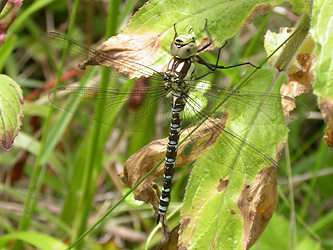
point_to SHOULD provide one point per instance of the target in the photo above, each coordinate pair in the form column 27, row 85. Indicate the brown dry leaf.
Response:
column 257, row 204
column 172, row 241
column 326, row 107
column 299, row 82
column 138, row 165
column 127, row 52
column 147, row 157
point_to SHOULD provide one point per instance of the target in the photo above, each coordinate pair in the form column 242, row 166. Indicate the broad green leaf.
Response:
column 11, row 110
column 150, row 31
column 38, row 240
column 211, row 215
column 322, row 31
column 228, row 206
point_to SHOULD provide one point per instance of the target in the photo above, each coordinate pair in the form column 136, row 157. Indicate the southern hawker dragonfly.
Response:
column 192, row 100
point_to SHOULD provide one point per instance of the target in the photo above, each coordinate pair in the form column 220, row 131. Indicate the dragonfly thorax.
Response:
column 179, row 70
column 183, row 46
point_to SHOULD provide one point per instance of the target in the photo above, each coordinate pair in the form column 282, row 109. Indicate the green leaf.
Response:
column 224, row 18
column 211, row 215
column 322, row 30
column 308, row 244
column 38, row 240
column 130, row 199
column 228, row 206
column 150, row 31
column 11, row 108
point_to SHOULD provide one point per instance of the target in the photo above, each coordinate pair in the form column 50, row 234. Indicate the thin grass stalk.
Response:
column 301, row 150
column 292, row 224
column 97, row 141
column 30, row 203
column 299, row 219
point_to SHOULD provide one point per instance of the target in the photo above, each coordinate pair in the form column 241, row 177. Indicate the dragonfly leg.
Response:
column 160, row 218
column 209, row 40
column 214, row 67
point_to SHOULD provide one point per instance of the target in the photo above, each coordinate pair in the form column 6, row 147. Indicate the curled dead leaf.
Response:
column 172, row 242
column 138, row 165
column 257, row 203
column 299, row 82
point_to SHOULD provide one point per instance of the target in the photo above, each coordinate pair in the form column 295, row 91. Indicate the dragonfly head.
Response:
column 183, row 46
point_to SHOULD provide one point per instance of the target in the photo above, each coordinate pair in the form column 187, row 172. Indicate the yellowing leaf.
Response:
column 11, row 110
column 147, row 37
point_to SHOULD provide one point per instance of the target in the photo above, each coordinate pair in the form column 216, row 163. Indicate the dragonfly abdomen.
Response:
column 177, row 107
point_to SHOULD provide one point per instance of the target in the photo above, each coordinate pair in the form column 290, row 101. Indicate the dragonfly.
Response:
column 192, row 100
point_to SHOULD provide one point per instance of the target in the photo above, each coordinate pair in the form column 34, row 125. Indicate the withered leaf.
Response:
column 257, row 204
column 172, row 242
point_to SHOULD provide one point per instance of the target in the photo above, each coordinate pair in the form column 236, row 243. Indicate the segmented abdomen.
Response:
column 177, row 107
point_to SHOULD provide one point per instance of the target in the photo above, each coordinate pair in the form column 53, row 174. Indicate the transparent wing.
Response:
column 261, row 108
column 205, row 101
column 119, row 106
column 238, row 154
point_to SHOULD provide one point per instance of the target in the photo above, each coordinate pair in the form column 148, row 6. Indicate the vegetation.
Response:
column 61, row 174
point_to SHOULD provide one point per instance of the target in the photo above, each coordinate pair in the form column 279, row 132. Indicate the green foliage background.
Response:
column 68, row 165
